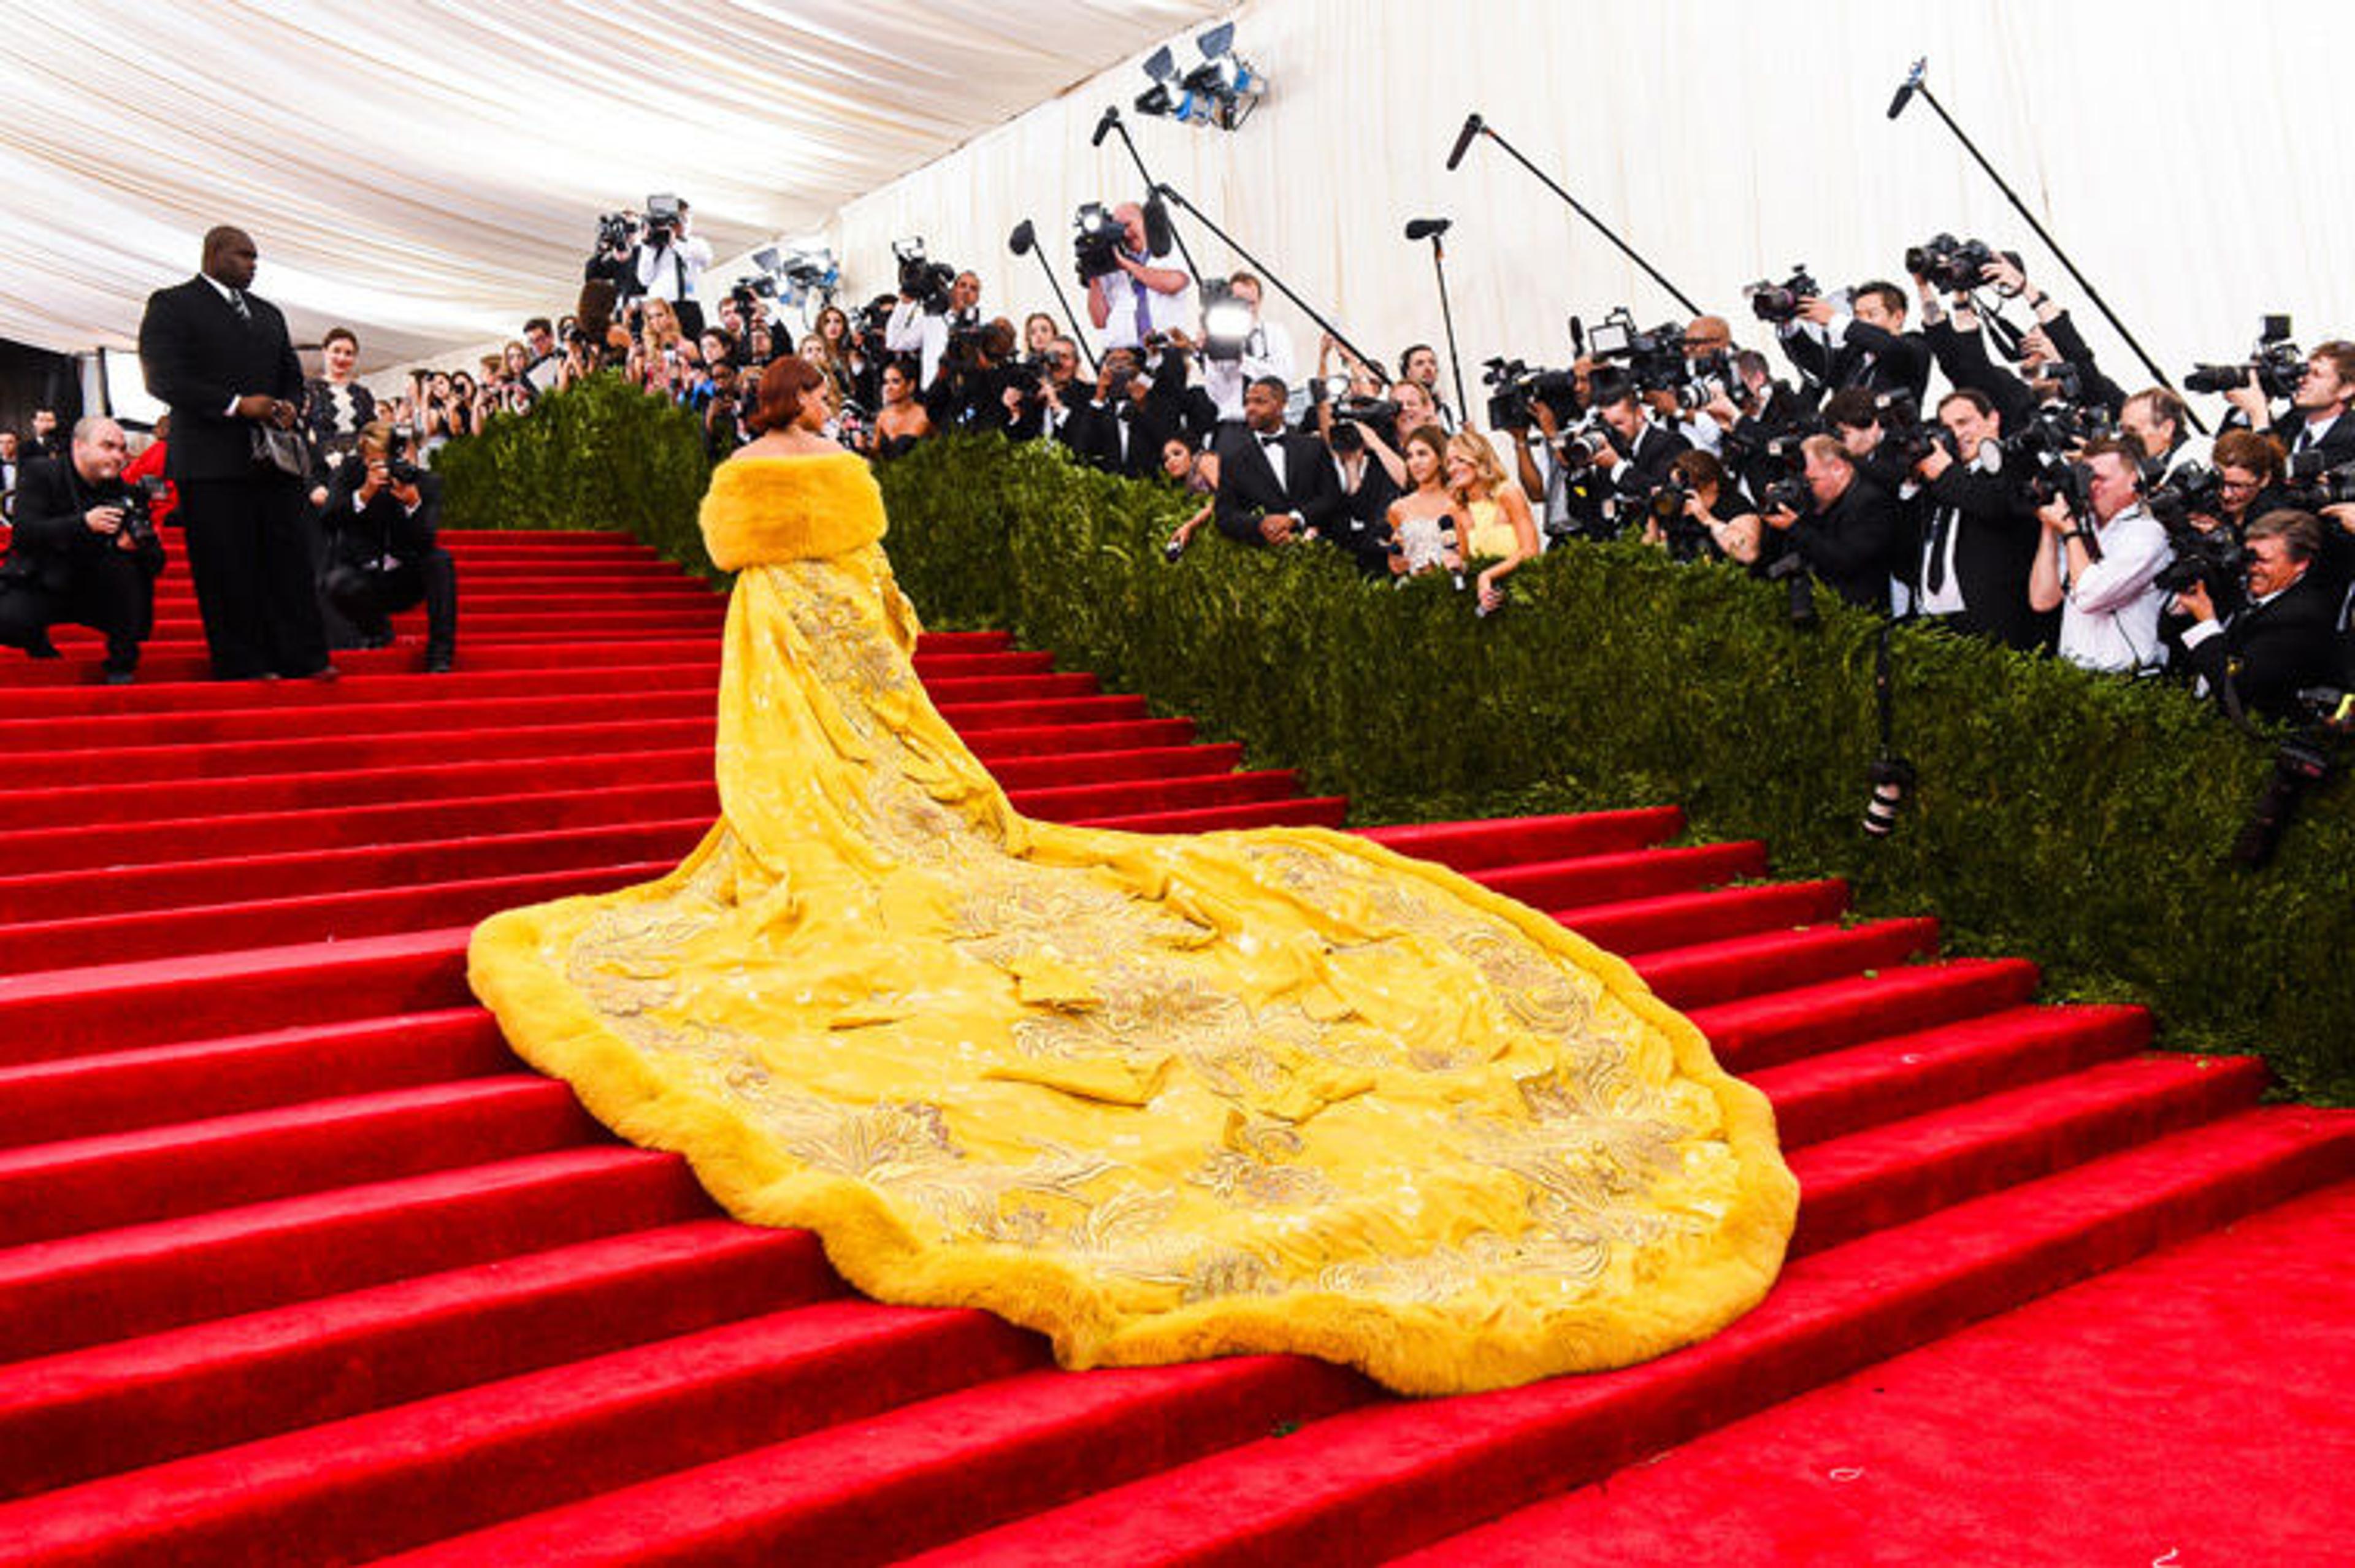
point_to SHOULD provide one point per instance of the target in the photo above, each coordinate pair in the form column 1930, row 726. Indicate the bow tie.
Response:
column 1272, row 440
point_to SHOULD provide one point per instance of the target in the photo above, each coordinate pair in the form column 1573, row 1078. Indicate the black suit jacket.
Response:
column 1643, row 470
column 199, row 354
column 1963, row 356
column 1865, row 356
column 1248, row 490
column 1995, row 539
column 53, row 542
column 1852, row 544
column 360, row 536
column 2270, row 650
column 2338, row 443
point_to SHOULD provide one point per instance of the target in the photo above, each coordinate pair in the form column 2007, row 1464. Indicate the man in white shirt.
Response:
column 912, row 329
column 2100, row 570
column 669, row 264
column 1267, row 351
column 2157, row 417
column 1140, row 299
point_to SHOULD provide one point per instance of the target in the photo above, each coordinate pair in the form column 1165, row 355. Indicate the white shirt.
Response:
column 911, row 331
column 670, row 273
column 1947, row 598
column 1162, row 311
column 1266, row 352
column 2109, row 617
column 1271, row 448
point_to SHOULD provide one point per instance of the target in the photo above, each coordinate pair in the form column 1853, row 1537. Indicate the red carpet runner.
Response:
column 297, row 1264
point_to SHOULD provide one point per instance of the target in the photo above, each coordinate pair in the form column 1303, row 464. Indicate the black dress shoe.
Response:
column 438, row 665
column 118, row 677
column 40, row 647
column 325, row 672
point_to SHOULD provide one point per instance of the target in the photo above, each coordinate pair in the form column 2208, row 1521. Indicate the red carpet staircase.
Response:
column 298, row 1265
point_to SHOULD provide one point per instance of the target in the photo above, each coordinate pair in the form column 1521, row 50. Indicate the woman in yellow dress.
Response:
column 1158, row 1097
column 1502, row 532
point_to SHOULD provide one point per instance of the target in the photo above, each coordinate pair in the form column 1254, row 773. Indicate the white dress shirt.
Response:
column 1162, row 311
column 671, row 273
column 1266, row 352
column 2109, row 617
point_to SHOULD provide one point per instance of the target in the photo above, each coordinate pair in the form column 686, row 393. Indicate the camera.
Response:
column 1798, row 587
column 1097, row 243
column 1653, row 360
column 2279, row 366
column 2313, row 486
column 1780, row 302
column 616, row 231
column 662, row 218
column 922, row 279
column 1955, row 265
column 137, row 504
column 1517, row 391
column 399, row 468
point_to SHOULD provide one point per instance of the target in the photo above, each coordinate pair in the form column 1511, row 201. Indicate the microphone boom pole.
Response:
column 1914, row 86
column 1112, row 120
column 1025, row 238
column 1473, row 125
column 1433, row 228
column 1262, row 268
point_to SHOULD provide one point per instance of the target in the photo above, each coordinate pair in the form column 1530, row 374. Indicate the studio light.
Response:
column 1226, row 322
column 1216, row 87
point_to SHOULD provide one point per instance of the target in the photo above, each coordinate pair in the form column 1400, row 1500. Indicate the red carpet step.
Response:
column 298, row 1265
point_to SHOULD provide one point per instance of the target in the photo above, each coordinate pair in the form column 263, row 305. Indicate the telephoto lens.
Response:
column 1891, row 777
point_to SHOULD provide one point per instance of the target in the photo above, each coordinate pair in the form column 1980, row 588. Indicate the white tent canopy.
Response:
column 428, row 172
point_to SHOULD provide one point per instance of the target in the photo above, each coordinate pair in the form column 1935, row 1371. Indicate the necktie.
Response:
column 1934, row 575
column 1143, row 308
column 237, row 299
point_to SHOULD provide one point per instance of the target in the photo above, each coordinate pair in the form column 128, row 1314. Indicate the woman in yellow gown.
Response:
column 1158, row 1097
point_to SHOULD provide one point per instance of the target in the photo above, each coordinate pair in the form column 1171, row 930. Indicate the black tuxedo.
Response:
column 382, row 559
column 58, row 572
column 1360, row 522
column 1644, row 467
column 1248, row 490
column 1866, row 355
column 2268, row 651
column 248, row 548
column 1995, row 535
column 2337, row 442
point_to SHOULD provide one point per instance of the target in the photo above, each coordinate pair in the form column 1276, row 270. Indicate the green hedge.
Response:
column 2076, row 819
column 600, row 455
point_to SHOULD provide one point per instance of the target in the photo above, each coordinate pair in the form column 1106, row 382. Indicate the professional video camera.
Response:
column 2300, row 761
column 1955, row 265
column 662, row 218
column 920, row 279
column 2279, row 366
column 1097, row 243
column 747, row 292
column 1781, row 303
column 1516, row 390
column 1653, row 360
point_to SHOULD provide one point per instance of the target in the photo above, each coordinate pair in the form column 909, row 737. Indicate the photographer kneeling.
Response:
column 380, row 516
column 2283, row 638
column 84, row 552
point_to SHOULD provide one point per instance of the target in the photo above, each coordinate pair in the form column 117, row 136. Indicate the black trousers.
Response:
column 110, row 594
column 251, row 562
column 367, row 598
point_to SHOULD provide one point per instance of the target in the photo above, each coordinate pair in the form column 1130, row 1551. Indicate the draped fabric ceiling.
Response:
column 430, row 173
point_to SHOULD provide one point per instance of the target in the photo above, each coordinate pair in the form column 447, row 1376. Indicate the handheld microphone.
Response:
column 1105, row 122
column 1428, row 228
column 1022, row 239
column 1472, row 124
column 1906, row 90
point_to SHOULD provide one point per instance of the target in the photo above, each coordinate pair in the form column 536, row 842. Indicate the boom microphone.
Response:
column 1426, row 228
column 1905, row 90
column 1472, row 124
column 1022, row 239
column 1105, row 122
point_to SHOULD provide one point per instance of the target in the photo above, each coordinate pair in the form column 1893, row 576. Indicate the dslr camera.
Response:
column 399, row 465
column 1956, row 266
column 2213, row 556
column 2278, row 366
column 137, row 504
column 1780, row 302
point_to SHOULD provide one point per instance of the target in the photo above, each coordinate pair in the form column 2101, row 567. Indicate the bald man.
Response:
column 80, row 555
column 221, row 359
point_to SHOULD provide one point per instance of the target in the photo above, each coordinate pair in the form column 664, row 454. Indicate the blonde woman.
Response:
column 1498, row 526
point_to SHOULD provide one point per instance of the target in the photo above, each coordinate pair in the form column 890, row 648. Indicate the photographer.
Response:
column 670, row 260
column 2316, row 420
column 2283, row 638
column 977, row 388
column 921, row 324
column 380, row 517
column 1274, row 487
column 1980, row 533
column 2053, row 342
column 1861, row 344
column 1700, row 514
column 1849, row 537
column 2161, row 425
column 83, row 553
column 1266, row 350
column 1419, row 363
column 2100, row 570
column 1136, row 300
column 1636, row 456
column 1361, row 524
column 1134, row 414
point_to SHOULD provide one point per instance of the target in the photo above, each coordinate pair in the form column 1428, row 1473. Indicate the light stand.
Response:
column 1262, row 269
column 1475, row 126
column 1912, row 85
column 1432, row 228
column 1023, row 241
